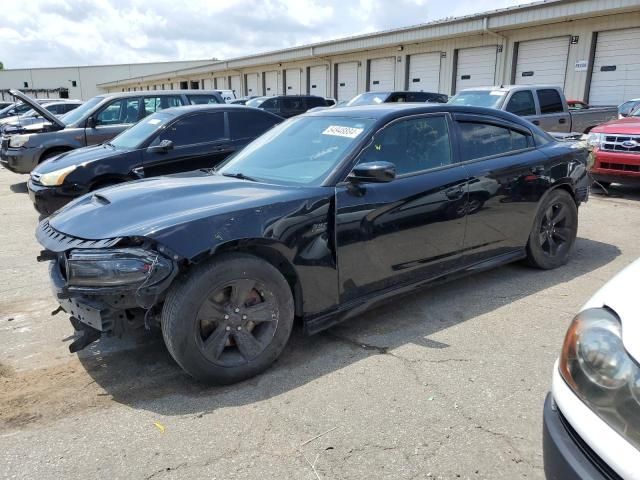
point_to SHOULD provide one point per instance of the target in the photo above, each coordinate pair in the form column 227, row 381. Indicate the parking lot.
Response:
column 446, row 383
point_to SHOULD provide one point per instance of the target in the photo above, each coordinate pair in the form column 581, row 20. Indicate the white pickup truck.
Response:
column 542, row 105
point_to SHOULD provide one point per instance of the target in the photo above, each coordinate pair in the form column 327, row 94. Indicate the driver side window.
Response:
column 412, row 145
column 125, row 110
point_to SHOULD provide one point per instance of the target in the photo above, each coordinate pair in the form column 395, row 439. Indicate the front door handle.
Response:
column 454, row 193
column 562, row 120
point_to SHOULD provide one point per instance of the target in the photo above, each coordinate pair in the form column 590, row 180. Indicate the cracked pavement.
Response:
column 445, row 383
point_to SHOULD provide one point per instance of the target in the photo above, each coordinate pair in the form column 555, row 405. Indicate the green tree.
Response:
column 1, row 66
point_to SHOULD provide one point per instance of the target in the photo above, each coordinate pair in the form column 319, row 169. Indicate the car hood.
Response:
column 148, row 207
column 628, row 126
column 38, row 108
column 78, row 157
column 620, row 294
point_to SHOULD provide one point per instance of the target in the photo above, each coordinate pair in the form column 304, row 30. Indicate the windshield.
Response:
column 78, row 113
column 479, row 98
column 300, row 151
column 255, row 102
column 371, row 98
column 636, row 112
column 135, row 136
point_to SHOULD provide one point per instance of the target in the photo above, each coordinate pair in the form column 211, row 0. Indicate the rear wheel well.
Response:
column 53, row 151
column 271, row 254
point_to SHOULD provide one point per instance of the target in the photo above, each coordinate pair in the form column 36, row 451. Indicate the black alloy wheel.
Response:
column 554, row 234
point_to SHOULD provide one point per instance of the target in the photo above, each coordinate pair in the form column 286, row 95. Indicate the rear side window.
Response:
column 484, row 140
column 124, row 110
column 315, row 102
column 202, row 99
column 522, row 104
column 154, row 104
column 270, row 104
column 295, row 104
column 550, row 101
column 198, row 128
column 250, row 124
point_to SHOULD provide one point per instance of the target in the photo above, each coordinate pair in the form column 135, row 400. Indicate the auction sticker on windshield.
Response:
column 338, row 131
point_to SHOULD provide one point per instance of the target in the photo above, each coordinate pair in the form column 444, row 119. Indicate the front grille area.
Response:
column 621, row 143
column 56, row 241
column 5, row 143
column 622, row 167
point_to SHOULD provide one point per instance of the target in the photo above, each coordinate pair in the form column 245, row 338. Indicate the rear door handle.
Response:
column 562, row 120
column 454, row 193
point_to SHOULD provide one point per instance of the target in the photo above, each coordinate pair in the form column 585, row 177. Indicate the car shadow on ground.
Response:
column 19, row 187
column 629, row 192
column 144, row 375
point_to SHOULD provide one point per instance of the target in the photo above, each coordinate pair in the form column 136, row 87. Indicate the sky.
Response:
column 49, row 33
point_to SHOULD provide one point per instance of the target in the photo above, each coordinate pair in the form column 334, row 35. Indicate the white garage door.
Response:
column 318, row 81
column 382, row 74
column 252, row 84
column 236, row 85
column 292, row 77
column 476, row 67
column 220, row 82
column 616, row 68
column 542, row 61
column 271, row 83
column 347, row 81
column 424, row 72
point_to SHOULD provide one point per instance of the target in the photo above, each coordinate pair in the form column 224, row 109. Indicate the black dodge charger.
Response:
column 169, row 141
column 320, row 218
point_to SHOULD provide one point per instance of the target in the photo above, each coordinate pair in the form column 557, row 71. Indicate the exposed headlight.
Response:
column 128, row 267
column 55, row 178
column 18, row 141
column 595, row 139
column 595, row 364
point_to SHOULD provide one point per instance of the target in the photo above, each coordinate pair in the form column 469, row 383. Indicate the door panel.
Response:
column 424, row 72
column 292, row 77
column 542, row 62
column 382, row 74
column 318, row 81
column 476, row 67
column 347, row 81
column 411, row 228
column 271, row 83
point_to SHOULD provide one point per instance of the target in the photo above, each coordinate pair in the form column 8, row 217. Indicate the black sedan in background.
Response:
column 171, row 141
column 320, row 218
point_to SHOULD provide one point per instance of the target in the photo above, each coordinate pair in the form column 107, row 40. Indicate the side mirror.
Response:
column 163, row 147
column 91, row 122
column 373, row 172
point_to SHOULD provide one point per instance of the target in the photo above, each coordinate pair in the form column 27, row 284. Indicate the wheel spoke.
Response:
column 248, row 345
column 548, row 215
column 261, row 312
column 214, row 345
column 553, row 246
column 240, row 291
column 562, row 233
column 559, row 215
column 211, row 310
column 542, row 238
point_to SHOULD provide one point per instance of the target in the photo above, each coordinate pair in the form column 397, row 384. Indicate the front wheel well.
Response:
column 269, row 252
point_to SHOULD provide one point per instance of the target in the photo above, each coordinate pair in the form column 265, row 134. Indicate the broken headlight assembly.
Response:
column 125, row 267
column 596, row 366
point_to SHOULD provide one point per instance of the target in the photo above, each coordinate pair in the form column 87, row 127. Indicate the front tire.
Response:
column 554, row 231
column 228, row 319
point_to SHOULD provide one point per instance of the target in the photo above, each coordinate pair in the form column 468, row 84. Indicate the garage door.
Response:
column 252, row 84
column 542, row 61
column 382, row 74
column 318, row 81
column 220, row 82
column 271, row 83
column 424, row 72
column 236, row 85
column 476, row 67
column 616, row 67
column 347, row 81
column 292, row 77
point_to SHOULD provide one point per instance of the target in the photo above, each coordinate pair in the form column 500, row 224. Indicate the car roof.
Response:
column 507, row 88
column 390, row 111
column 157, row 92
column 213, row 107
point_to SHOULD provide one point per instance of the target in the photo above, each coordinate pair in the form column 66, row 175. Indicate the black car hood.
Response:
column 78, row 157
column 196, row 205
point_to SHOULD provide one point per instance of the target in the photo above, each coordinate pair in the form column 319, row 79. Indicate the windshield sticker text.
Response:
column 338, row 131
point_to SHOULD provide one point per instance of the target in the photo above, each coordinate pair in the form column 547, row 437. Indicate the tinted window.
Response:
column 202, row 99
column 154, row 104
column 250, row 124
column 295, row 104
column 198, row 128
column 412, row 145
column 550, row 101
column 55, row 109
column 82, row 111
column 483, row 140
column 315, row 102
column 125, row 110
column 138, row 134
column 522, row 103
column 270, row 104
column 70, row 106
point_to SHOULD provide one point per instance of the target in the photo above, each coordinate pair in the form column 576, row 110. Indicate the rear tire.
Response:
column 228, row 319
column 554, row 231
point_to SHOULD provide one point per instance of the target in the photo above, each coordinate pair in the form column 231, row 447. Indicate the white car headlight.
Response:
column 18, row 141
column 595, row 139
column 55, row 178
column 596, row 366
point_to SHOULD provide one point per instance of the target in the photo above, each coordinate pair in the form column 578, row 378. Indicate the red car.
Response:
column 617, row 150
